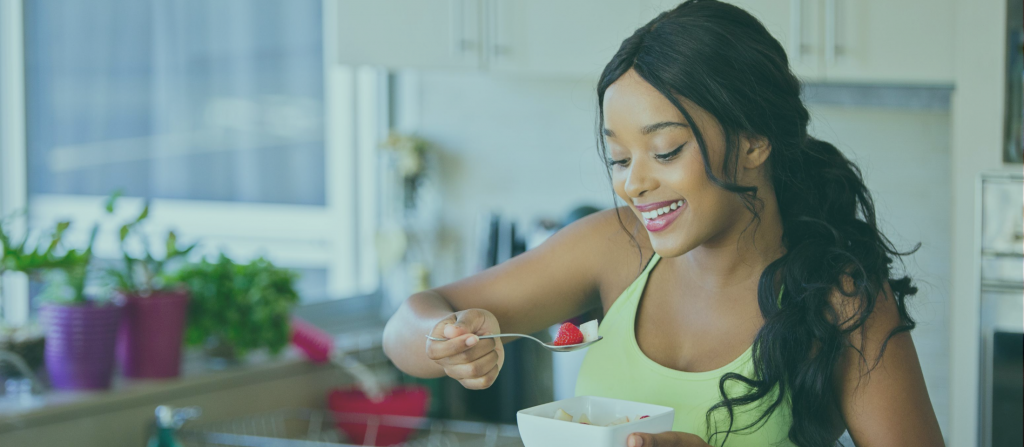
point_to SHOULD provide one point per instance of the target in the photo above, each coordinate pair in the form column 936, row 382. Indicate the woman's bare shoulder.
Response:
column 619, row 245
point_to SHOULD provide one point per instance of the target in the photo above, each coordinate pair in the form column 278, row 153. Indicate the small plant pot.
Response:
column 80, row 341
column 150, row 338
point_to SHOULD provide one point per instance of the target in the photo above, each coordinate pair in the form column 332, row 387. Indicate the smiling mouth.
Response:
column 661, row 218
column 651, row 215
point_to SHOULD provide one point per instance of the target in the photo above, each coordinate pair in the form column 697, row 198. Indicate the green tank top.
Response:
column 617, row 368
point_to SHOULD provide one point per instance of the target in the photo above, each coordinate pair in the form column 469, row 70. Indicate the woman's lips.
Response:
column 663, row 221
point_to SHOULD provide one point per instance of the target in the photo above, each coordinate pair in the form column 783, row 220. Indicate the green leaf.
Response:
column 144, row 213
column 111, row 200
column 172, row 244
column 124, row 232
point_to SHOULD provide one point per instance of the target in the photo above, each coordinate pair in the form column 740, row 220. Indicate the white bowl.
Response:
column 538, row 428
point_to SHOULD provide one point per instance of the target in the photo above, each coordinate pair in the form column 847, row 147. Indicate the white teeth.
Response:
column 660, row 211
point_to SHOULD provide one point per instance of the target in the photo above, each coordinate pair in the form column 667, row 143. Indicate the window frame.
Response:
column 338, row 236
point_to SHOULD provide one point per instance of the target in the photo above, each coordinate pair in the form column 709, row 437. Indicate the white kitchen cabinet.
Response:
column 560, row 37
column 844, row 41
column 904, row 41
column 860, row 41
column 796, row 25
column 409, row 33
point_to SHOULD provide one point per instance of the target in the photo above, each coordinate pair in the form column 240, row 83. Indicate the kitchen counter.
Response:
column 123, row 415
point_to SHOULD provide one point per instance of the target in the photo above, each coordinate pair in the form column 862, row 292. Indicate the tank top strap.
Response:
column 650, row 265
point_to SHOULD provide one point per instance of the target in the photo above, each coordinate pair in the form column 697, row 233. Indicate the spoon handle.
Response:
column 492, row 336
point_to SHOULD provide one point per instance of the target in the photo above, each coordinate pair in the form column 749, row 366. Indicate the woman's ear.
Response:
column 755, row 150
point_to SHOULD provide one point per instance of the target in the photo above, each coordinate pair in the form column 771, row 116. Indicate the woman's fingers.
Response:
column 482, row 348
column 475, row 369
column 666, row 439
column 481, row 383
column 439, row 350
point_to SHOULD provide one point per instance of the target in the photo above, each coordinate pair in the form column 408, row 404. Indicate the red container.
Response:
column 150, row 338
column 408, row 401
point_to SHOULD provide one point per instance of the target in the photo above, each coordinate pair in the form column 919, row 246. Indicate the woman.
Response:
column 745, row 283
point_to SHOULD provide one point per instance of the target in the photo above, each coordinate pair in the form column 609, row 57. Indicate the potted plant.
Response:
column 150, row 338
column 237, row 308
column 81, row 328
column 18, row 257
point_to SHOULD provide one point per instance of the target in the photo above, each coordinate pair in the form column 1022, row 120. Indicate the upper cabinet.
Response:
column 906, row 41
column 862, row 41
column 854, row 41
column 571, row 37
column 410, row 33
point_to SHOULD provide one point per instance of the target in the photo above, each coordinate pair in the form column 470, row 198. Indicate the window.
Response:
column 218, row 112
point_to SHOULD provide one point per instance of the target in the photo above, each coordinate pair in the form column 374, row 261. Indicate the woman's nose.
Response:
column 639, row 180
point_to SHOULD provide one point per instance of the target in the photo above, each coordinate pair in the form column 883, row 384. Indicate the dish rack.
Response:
column 318, row 428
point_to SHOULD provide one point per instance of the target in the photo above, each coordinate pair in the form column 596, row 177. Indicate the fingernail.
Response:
column 636, row 441
column 472, row 340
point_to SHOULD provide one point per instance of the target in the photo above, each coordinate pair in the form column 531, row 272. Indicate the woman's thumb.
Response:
column 465, row 323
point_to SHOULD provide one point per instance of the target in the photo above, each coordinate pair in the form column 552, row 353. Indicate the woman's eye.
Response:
column 670, row 155
column 613, row 162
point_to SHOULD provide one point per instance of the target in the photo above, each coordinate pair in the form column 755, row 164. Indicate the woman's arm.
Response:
column 556, row 281
column 888, row 405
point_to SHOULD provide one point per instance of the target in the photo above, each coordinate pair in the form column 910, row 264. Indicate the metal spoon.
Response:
column 553, row 348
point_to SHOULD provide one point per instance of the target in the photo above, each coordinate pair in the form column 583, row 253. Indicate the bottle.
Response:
column 168, row 421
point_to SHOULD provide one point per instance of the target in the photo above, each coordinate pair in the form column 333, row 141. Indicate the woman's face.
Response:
column 657, row 167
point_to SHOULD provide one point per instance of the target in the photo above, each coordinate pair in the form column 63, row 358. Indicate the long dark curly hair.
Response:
column 724, row 60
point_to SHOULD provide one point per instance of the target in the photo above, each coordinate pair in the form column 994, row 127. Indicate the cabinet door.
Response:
column 908, row 41
column 409, row 33
column 795, row 24
column 559, row 37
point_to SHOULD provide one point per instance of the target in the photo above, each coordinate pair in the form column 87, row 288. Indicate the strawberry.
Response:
column 568, row 334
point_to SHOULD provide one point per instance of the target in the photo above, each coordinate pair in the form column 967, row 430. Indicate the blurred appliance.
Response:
column 1002, row 309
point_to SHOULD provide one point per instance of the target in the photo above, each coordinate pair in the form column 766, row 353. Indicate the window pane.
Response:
column 190, row 99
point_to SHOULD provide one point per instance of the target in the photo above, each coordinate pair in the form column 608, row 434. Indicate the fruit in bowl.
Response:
column 591, row 421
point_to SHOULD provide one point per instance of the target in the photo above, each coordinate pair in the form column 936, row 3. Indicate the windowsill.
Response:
column 362, row 339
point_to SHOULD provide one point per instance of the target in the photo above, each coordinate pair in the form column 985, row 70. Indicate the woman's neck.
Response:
column 738, row 255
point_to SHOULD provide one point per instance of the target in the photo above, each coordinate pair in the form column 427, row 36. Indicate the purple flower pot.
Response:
column 80, row 344
column 150, row 339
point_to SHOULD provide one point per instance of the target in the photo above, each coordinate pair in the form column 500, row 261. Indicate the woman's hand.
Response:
column 666, row 439
column 475, row 363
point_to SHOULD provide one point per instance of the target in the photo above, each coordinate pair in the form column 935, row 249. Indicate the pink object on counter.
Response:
column 315, row 343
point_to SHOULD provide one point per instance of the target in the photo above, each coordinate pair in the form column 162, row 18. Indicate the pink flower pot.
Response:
column 80, row 341
column 150, row 338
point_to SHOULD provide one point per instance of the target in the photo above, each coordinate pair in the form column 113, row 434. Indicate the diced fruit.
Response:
column 561, row 415
column 589, row 331
column 584, row 419
column 568, row 334
column 619, row 421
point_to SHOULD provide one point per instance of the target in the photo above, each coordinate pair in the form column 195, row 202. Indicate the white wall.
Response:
column 977, row 139
column 527, row 148
column 905, row 159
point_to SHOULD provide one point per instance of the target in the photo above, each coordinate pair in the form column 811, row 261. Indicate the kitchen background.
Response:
column 379, row 148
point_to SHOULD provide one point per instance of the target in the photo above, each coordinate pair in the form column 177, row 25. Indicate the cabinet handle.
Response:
column 498, row 49
column 460, row 44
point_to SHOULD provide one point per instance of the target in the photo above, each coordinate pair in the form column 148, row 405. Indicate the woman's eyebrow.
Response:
column 651, row 128
column 647, row 130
